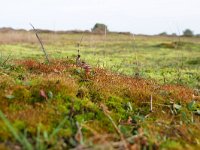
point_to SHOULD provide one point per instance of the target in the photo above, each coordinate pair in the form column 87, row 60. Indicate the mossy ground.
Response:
column 54, row 106
column 173, row 124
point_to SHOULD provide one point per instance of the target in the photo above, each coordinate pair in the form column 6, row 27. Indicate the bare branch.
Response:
column 40, row 43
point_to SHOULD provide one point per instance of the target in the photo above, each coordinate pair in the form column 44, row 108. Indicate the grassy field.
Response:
column 55, row 106
column 166, row 59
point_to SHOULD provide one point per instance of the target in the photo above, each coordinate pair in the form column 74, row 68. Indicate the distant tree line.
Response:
column 186, row 33
column 98, row 28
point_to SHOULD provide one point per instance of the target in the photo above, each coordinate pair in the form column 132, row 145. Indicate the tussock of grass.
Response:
column 177, row 45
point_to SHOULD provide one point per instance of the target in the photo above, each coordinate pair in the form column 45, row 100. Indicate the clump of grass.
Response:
column 19, row 137
column 167, row 45
column 176, row 45
column 195, row 61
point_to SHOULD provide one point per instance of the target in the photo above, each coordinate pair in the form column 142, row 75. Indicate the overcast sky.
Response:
column 136, row 16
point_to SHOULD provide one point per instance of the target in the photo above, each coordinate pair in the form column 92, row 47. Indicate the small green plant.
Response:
column 41, row 141
column 22, row 139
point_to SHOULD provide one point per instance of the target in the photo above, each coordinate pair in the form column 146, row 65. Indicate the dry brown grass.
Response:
column 14, row 37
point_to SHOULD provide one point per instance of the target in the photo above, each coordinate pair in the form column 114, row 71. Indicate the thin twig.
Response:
column 95, row 133
column 157, row 104
column 179, row 37
column 81, row 38
column 118, row 144
column 151, row 105
column 80, row 43
column 115, row 126
column 40, row 43
column 79, row 134
column 3, row 63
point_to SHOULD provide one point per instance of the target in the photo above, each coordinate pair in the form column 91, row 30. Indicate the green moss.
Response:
column 82, row 92
column 4, row 132
column 118, row 106
column 60, row 89
column 95, row 95
column 19, row 125
column 169, row 144
column 22, row 94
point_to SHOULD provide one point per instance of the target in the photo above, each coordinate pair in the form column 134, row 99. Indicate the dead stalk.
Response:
column 4, row 62
column 79, row 44
column 115, row 126
column 79, row 134
column 151, row 104
column 42, row 46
